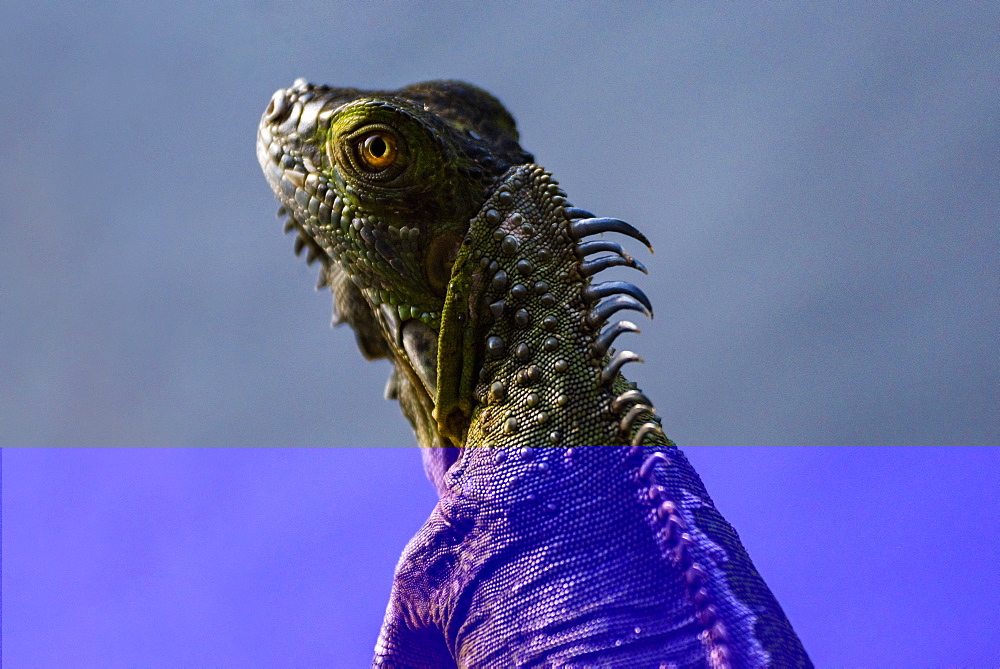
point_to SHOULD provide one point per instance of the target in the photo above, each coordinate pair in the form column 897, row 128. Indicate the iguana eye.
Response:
column 377, row 150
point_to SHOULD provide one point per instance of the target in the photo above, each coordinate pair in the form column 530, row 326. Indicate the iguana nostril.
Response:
column 277, row 108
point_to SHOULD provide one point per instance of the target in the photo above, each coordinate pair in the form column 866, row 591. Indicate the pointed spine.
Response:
column 598, row 291
column 611, row 370
column 591, row 226
column 576, row 213
column 604, row 340
column 592, row 267
column 625, row 426
column 603, row 310
column 590, row 247
column 633, row 395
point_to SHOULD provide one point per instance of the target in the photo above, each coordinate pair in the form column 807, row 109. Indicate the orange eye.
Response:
column 377, row 150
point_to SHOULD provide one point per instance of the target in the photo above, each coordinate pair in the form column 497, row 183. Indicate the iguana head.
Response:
column 386, row 182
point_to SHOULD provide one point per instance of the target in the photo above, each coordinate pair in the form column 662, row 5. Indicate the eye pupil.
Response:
column 378, row 151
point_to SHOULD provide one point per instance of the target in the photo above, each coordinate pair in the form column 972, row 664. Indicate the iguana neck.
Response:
column 523, row 360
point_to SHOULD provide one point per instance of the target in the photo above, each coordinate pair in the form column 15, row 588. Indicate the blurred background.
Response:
column 821, row 185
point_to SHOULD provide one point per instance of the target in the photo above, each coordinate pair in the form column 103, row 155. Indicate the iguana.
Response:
column 569, row 530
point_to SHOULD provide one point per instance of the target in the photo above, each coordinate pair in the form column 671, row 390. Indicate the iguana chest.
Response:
column 519, row 566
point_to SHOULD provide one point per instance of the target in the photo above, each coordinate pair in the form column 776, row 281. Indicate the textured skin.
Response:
column 570, row 531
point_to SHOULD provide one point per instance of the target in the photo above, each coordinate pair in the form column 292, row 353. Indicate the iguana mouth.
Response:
column 416, row 346
column 421, row 346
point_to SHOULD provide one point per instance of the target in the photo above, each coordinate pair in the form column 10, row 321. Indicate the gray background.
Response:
column 821, row 187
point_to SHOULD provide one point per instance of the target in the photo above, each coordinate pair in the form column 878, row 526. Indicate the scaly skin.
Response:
column 570, row 531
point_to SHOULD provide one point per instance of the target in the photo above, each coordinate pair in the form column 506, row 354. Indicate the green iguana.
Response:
column 569, row 531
